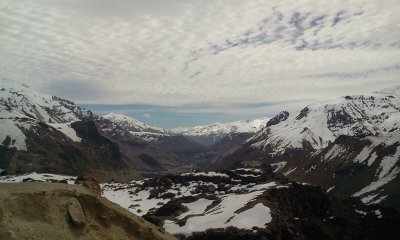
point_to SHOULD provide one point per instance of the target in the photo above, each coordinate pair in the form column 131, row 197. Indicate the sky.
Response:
column 189, row 62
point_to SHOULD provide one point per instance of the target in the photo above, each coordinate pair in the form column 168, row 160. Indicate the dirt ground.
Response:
column 61, row 211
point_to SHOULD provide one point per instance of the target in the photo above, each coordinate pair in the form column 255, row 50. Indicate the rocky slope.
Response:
column 195, row 147
column 238, row 204
column 61, row 211
column 49, row 134
column 250, row 204
column 149, row 158
column 350, row 145
column 206, row 135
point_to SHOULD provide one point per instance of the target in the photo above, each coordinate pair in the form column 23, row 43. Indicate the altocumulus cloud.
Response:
column 173, row 53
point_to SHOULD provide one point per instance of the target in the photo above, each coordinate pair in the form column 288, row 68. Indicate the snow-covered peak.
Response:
column 21, row 108
column 131, row 124
column 320, row 123
column 241, row 126
column 19, row 101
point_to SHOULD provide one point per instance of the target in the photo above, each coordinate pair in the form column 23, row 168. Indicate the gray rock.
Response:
column 75, row 212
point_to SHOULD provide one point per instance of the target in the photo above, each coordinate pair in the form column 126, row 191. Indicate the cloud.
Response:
column 186, row 52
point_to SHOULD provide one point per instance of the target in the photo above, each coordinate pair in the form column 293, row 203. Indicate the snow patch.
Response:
column 67, row 130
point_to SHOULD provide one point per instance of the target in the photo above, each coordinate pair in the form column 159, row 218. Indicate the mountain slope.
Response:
column 21, row 108
column 187, row 143
column 45, row 133
column 250, row 203
column 211, row 134
column 349, row 145
column 135, row 127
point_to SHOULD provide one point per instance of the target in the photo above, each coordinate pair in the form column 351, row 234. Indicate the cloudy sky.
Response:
column 186, row 62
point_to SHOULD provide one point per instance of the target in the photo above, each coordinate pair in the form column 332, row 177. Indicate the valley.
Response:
column 251, row 178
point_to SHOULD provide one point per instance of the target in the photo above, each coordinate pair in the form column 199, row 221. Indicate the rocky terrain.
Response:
column 48, row 134
column 61, row 211
column 194, row 147
column 349, row 145
column 243, row 203
column 250, row 204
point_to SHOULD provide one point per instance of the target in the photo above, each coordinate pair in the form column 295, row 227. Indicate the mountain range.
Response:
column 349, row 145
column 199, row 182
column 47, row 133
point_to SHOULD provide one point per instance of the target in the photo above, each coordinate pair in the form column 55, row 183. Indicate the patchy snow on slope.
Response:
column 208, row 199
column 207, row 174
column 278, row 166
column 223, row 215
column 194, row 208
column 148, row 136
column 9, row 128
column 388, row 163
column 43, row 177
column 241, row 126
column 289, row 171
column 138, row 203
column 67, row 130
column 369, row 190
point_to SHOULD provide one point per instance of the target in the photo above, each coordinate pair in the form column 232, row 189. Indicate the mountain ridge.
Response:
column 330, row 143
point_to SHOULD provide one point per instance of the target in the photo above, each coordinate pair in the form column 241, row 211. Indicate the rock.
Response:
column 76, row 213
column 92, row 185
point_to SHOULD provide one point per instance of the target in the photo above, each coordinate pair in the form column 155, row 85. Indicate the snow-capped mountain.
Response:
column 350, row 145
column 212, row 133
column 21, row 108
column 206, row 135
column 133, row 125
column 319, row 124
column 241, row 126
column 46, row 133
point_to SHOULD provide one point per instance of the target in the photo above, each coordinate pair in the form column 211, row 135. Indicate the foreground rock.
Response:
column 61, row 211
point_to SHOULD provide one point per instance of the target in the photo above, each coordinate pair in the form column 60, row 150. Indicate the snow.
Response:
column 335, row 151
column 360, row 212
column 289, row 172
column 236, row 205
column 219, row 216
column 257, row 216
column 44, row 177
column 11, row 129
column 123, row 198
column 241, row 126
column 21, row 107
column 375, row 114
column 132, row 125
column 207, row 174
column 278, row 166
column 388, row 163
column 330, row 189
column 67, row 130
column 196, row 207
column 378, row 213
column 378, row 183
